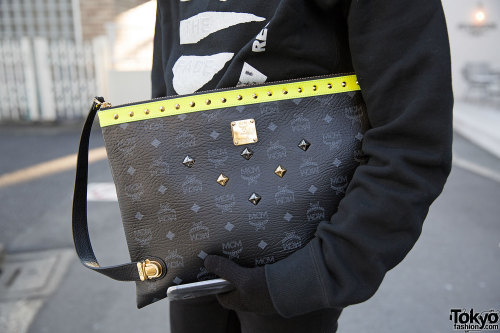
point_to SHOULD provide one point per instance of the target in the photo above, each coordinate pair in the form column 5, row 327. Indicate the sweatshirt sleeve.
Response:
column 158, row 87
column 400, row 53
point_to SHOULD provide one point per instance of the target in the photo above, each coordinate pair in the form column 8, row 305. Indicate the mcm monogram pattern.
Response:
column 232, row 248
column 291, row 241
column 315, row 212
column 159, row 167
column 166, row 214
column 250, row 174
column 308, row 167
column 199, row 232
column 217, row 156
column 258, row 220
column 192, row 184
column 181, row 214
column 300, row 123
column 284, row 195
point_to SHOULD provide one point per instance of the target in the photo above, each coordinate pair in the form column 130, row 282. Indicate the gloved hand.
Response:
column 250, row 293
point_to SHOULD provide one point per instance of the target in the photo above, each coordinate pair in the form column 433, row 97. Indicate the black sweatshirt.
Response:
column 400, row 53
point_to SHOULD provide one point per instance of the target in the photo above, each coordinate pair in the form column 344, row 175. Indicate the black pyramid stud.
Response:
column 254, row 198
column 247, row 153
column 304, row 145
column 188, row 161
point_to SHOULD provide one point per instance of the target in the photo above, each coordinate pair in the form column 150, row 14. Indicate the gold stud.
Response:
column 207, row 102
column 280, row 171
column 162, row 108
column 115, row 116
column 329, row 86
column 315, row 87
column 222, row 180
column 146, row 111
column 285, row 92
column 131, row 113
column 191, row 104
column 254, row 96
column 344, row 84
column 239, row 97
column 177, row 106
column 269, row 93
column 299, row 90
column 357, row 83
column 223, row 100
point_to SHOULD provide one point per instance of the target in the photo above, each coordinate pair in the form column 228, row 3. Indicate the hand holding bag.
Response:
column 245, row 172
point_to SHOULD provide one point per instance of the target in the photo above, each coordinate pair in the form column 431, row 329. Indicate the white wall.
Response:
column 129, row 75
column 466, row 47
column 128, row 86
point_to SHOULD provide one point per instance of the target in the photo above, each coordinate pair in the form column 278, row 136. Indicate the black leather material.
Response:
column 125, row 272
column 180, row 214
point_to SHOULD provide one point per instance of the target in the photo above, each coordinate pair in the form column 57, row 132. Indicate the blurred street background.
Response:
column 56, row 55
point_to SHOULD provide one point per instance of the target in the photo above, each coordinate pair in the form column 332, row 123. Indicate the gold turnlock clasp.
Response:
column 244, row 132
column 149, row 269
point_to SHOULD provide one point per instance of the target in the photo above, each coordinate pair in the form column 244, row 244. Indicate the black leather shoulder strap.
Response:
column 125, row 272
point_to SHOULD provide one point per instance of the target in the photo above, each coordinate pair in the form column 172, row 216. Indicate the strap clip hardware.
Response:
column 101, row 105
column 149, row 269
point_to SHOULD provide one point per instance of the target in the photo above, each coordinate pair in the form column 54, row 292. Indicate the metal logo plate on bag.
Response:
column 244, row 132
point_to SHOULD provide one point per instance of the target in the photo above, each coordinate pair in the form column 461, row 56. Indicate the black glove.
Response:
column 250, row 293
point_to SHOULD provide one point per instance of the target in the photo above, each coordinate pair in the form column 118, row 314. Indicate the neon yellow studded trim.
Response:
column 226, row 98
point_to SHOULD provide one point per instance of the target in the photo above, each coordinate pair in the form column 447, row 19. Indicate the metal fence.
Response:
column 47, row 80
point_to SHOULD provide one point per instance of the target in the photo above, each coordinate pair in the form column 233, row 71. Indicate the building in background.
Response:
column 55, row 55
column 474, row 30
column 75, row 20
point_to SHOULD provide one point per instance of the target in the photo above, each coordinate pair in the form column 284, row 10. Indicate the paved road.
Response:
column 455, row 263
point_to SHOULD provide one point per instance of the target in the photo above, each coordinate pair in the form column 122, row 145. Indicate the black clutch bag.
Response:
column 246, row 173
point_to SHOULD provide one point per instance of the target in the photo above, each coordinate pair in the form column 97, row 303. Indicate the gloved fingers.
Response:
column 223, row 267
column 231, row 301
column 224, row 300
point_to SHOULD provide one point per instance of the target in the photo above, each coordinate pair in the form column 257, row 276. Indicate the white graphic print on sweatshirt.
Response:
column 259, row 45
column 250, row 75
column 195, row 28
column 193, row 72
